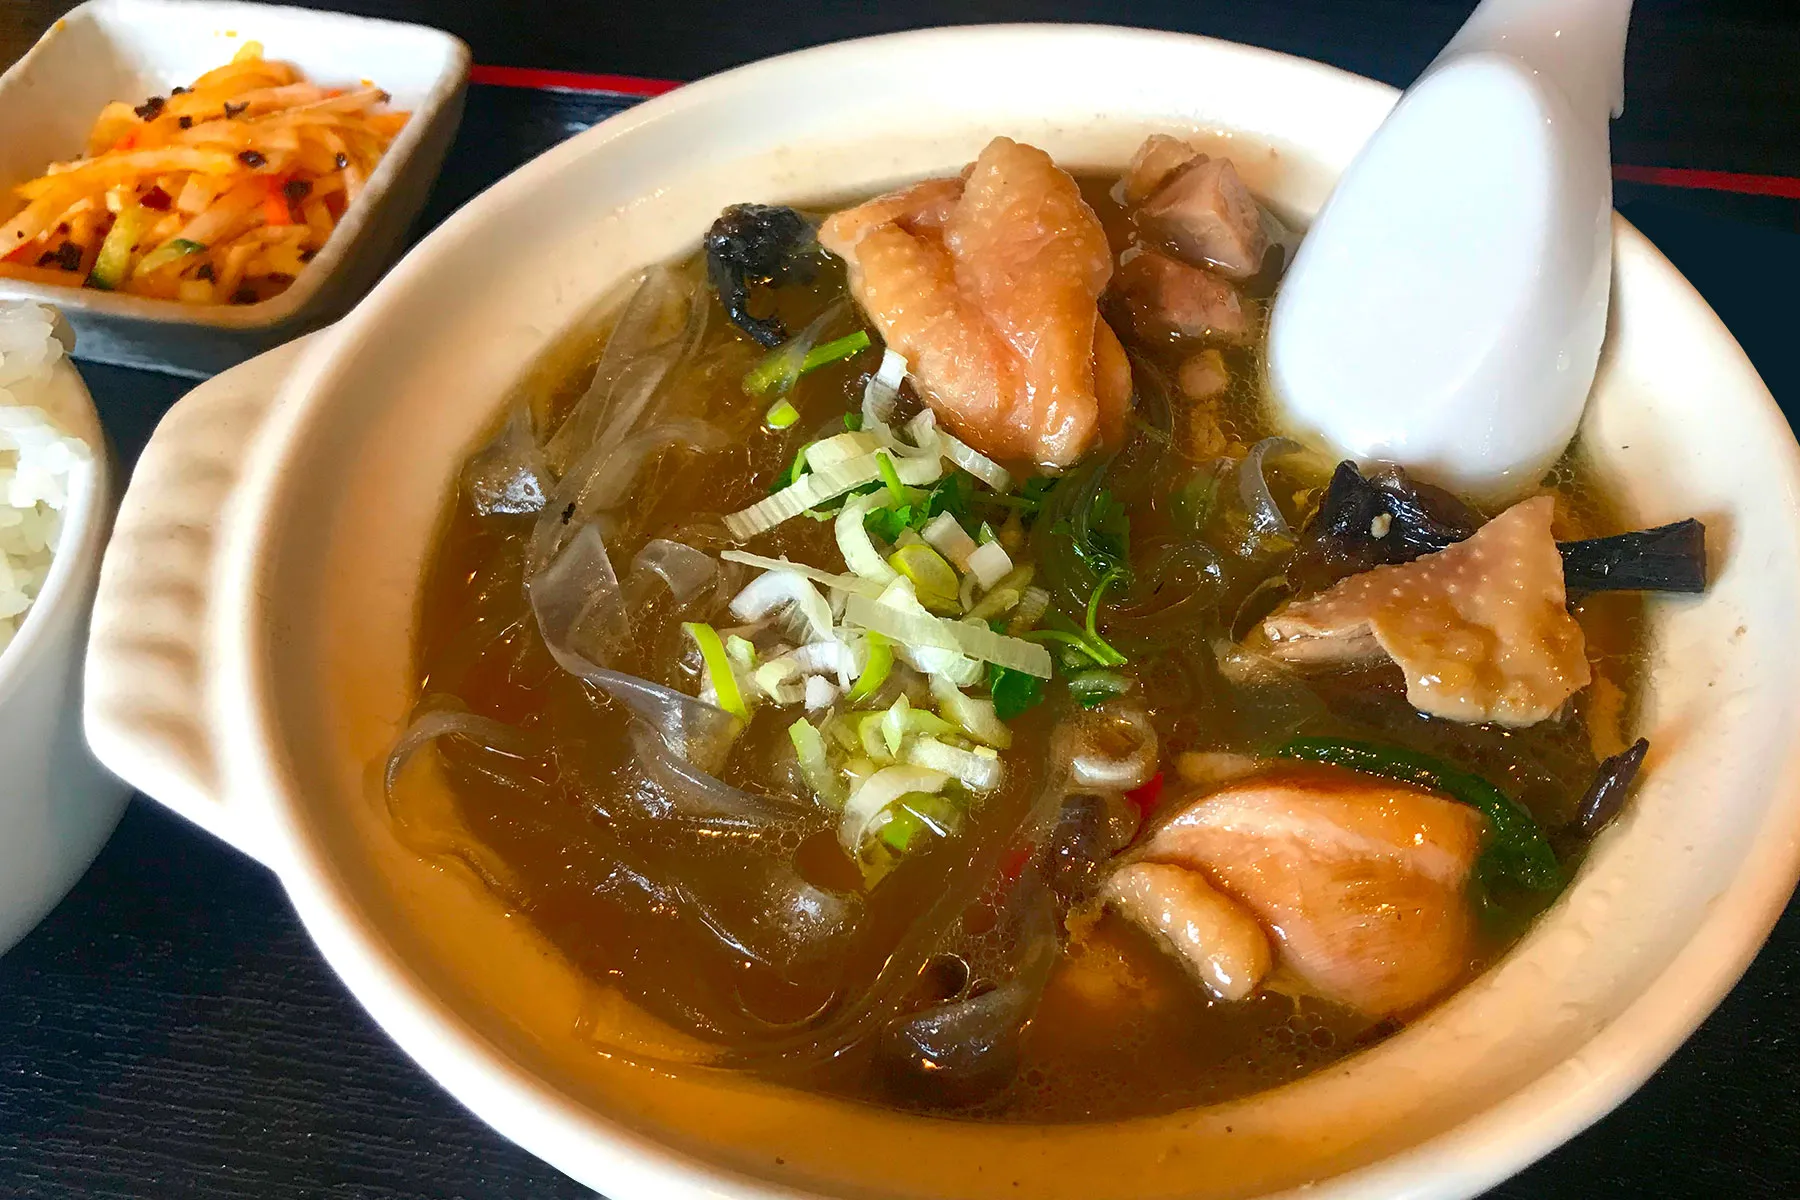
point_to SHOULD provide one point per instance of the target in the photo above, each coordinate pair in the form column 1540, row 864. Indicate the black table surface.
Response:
column 169, row 1030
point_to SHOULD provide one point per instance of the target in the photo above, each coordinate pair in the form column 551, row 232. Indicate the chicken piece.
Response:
column 1481, row 628
column 1158, row 158
column 1206, row 216
column 1220, row 943
column 989, row 285
column 1164, row 296
column 1362, row 881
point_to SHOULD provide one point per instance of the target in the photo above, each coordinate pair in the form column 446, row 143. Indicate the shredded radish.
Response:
column 774, row 589
column 879, row 790
column 944, row 534
column 990, row 564
column 853, row 540
column 899, row 615
column 819, row 486
column 838, row 583
column 978, row 770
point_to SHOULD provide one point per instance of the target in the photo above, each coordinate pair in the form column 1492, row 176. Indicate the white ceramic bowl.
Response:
column 58, row 805
column 308, row 488
column 106, row 50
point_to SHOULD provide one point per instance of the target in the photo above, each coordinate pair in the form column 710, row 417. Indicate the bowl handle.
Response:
column 147, row 705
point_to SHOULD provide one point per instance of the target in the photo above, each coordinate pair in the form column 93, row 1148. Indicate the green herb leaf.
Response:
column 1013, row 691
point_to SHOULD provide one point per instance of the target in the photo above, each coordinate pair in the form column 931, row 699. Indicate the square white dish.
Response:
column 106, row 50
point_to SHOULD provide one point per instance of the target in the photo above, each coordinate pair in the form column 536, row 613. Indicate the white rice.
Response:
column 36, row 459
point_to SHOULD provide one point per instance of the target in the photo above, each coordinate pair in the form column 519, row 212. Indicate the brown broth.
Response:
column 1122, row 1030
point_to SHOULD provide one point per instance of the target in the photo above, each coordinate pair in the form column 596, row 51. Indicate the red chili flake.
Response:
column 68, row 256
column 232, row 110
column 252, row 158
column 185, row 122
column 1014, row 863
column 180, row 91
column 1146, row 798
column 150, row 109
column 158, row 199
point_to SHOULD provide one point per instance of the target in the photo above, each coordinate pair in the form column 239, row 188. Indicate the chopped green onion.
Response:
column 875, row 671
column 772, row 372
column 832, row 351
column 933, row 578
column 914, row 814
column 809, row 748
column 781, row 415
column 718, row 667
column 1094, row 688
column 796, row 469
column 853, row 421
column 891, row 476
column 1517, row 847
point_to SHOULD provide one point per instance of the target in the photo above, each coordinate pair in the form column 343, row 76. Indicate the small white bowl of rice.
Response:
column 57, row 805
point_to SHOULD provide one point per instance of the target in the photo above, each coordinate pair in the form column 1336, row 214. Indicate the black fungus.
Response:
column 252, row 158
column 150, row 109
column 1383, row 520
column 757, row 244
column 1612, row 783
column 1669, row 558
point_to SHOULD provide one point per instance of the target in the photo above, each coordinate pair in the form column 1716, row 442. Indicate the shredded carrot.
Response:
column 276, row 210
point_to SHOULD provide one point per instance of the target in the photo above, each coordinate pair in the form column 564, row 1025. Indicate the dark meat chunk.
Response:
column 1169, row 297
column 757, row 244
column 1155, row 161
column 1206, row 216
